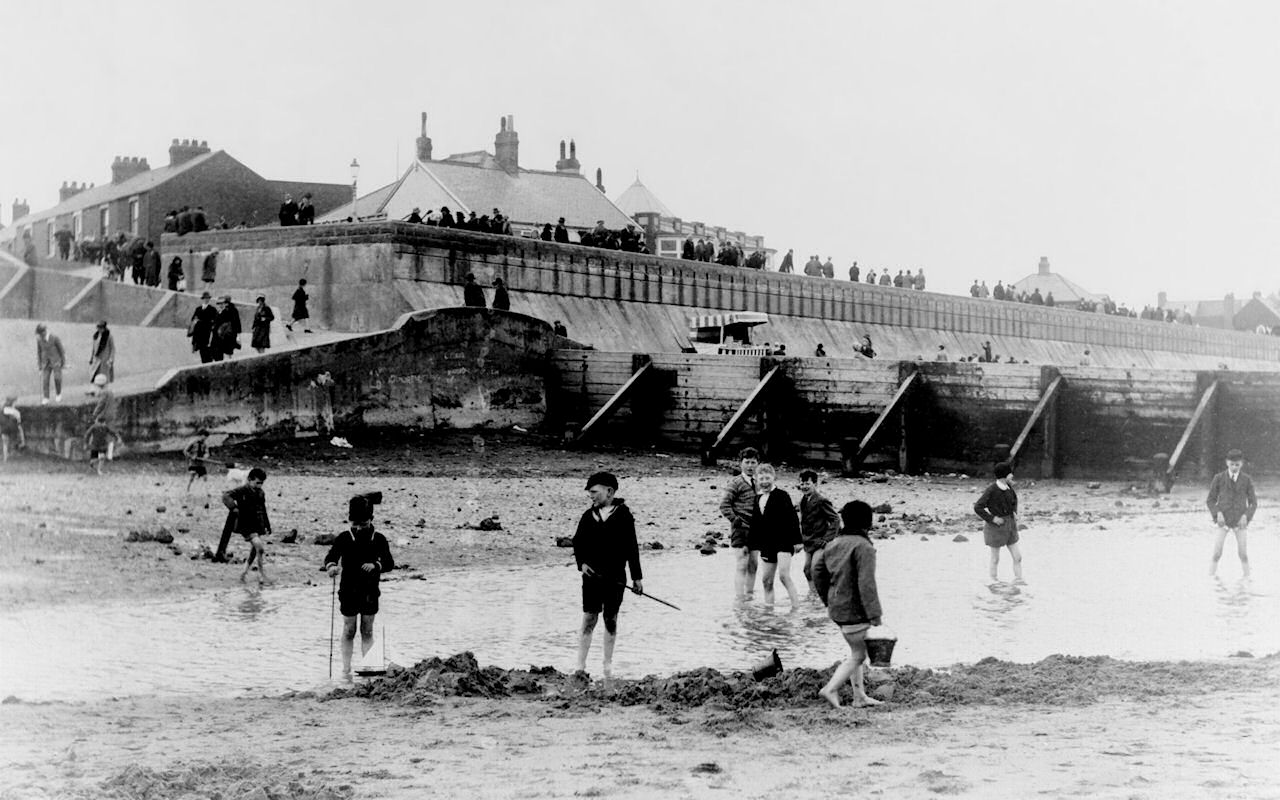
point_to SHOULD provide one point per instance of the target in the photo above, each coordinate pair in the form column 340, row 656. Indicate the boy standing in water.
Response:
column 1232, row 503
column 605, row 548
column 250, row 507
column 362, row 555
column 844, row 573
column 737, row 505
column 775, row 534
column 998, row 507
column 819, row 522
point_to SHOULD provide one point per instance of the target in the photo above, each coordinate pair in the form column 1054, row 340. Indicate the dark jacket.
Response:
column 844, row 575
column 996, row 502
column 777, row 529
column 819, row 522
column 250, row 505
column 227, row 331
column 201, row 327
column 49, row 353
column 608, row 546
column 262, row 319
column 562, row 234
column 1235, row 499
column 353, row 550
column 473, row 295
column 501, row 300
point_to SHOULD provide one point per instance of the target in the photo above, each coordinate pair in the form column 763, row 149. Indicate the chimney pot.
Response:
column 562, row 149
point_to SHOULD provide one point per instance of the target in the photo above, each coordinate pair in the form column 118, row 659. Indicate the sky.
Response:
column 1135, row 144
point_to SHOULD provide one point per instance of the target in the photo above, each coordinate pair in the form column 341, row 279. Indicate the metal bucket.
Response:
column 768, row 668
column 880, row 651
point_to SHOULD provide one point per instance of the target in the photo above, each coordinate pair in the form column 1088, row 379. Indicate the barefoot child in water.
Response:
column 250, row 507
column 998, row 507
column 1232, row 503
column 605, row 548
column 844, row 574
column 362, row 555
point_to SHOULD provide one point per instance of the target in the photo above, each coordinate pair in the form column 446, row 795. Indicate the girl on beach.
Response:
column 774, row 534
column 844, row 575
column 998, row 507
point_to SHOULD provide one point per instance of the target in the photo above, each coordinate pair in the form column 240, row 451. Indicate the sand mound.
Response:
column 1056, row 680
column 211, row 781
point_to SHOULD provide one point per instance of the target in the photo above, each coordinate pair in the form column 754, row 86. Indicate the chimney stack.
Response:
column 600, row 180
column 186, row 150
column 1162, row 299
column 70, row 190
column 424, row 142
column 569, row 164
column 124, row 168
column 20, row 210
column 506, row 145
column 1044, row 265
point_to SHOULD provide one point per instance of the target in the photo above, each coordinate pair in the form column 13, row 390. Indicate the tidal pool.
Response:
column 1139, row 590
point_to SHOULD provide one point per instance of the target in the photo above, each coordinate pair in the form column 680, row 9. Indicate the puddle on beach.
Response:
column 1139, row 591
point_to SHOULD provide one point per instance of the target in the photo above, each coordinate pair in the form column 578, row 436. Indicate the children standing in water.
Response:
column 736, row 505
column 774, row 534
column 362, row 555
column 998, row 507
column 605, row 548
column 844, row 574
column 1232, row 503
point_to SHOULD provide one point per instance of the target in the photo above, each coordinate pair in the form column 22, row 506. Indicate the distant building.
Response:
column 665, row 232
column 138, row 197
column 1226, row 313
column 479, row 181
column 1066, row 294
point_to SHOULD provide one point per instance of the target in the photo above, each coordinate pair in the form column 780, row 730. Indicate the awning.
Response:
column 732, row 318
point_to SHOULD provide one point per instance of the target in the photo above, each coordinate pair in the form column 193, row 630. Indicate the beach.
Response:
column 1061, row 726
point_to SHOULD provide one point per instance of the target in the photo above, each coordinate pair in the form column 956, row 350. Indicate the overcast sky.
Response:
column 1136, row 144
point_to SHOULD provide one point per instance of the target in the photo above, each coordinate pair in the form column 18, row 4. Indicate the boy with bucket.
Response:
column 605, row 548
column 1232, row 503
column 844, row 574
column 362, row 555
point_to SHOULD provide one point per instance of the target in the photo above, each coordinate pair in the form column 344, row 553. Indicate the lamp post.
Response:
column 355, row 173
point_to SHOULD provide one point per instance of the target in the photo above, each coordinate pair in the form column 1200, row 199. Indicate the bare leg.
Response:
column 610, row 638
column 348, row 643
column 851, row 670
column 808, row 571
column 784, row 574
column 746, row 562
column 1016, row 555
column 262, row 560
column 995, row 561
column 1217, row 548
column 366, row 634
column 766, row 581
column 1242, row 549
column 584, row 639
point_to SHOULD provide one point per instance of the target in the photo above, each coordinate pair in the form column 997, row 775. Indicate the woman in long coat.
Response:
column 262, row 319
column 102, row 358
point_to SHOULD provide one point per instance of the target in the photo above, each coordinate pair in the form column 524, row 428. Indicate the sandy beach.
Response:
column 1059, row 727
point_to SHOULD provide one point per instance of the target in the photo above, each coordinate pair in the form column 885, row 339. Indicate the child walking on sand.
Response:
column 197, row 453
column 250, row 507
column 99, row 440
column 998, row 507
column 844, row 574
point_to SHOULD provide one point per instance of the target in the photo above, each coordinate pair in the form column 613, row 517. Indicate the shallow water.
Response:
column 1137, row 591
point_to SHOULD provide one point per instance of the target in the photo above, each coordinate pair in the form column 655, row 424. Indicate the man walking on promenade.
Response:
column 605, row 548
column 819, row 522
column 50, row 359
column 737, row 505
column 1232, row 503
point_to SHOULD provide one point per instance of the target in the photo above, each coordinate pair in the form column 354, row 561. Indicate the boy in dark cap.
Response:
column 1232, row 503
column 998, row 507
column 249, row 505
column 362, row 555
column 605, row 548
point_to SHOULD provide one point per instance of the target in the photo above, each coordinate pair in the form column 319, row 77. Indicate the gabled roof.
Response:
column 528, row 197
column 1064, row 291
column 97, row 195
column 638, row 199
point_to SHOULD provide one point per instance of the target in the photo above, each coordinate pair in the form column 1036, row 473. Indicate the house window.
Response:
column 668, row 245
column 104, row 221
column 53, row 242
column 133, row 216
column 77, row 224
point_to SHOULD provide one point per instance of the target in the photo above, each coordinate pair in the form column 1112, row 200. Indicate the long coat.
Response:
column 201, row 328
column 262, row 319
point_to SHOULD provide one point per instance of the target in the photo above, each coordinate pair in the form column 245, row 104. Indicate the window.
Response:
column 53, row 242
column 133, row 216
column 77, row 224
column 104, row 220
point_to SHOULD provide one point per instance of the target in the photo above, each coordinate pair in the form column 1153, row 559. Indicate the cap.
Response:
column 226, row 298
column 1004, row 469
column 102, row 324
column 40, row 328
column 602, row 479
column 205, row 295
column 1235, row 455
column 359, row 509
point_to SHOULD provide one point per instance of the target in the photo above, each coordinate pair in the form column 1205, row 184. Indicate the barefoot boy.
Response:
column 197, row 453
column 362, row 555
column 605, row 548
column 737, row 505
column 819, row 522
column 98, row 440
column 250, row 507
column 1232, row 503
column 844, row 573
column 998, row 507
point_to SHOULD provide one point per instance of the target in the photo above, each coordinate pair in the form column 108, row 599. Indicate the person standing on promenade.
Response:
column 998, row 507
column 819, row 522
column 775, row 534
column 50, row 359
column 263, row 316
column 605, row 548
column 249, row 504
column 501, row 300
column 472, row 293
column 11, row 433
column 844, row 573
column 203, row 321
column 737, row 505
column 363, row 556
column 209, row 269
column 226, row 331
column 300, row 312
column 102, row 354
column 1232, row 503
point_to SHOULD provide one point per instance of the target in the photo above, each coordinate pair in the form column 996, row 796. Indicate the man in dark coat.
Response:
column 853, row 272
column 184, row 221
column 151, row 265
column 226, row 332
column 198, row 221
column 562, row 233
column 472, row 293
column 175, row 273
column 501, row 300
column 686, row 250
column 203, row 321
column 288, row 212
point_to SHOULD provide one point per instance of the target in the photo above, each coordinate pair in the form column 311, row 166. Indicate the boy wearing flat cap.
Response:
column 605, row 548
column 361, row 555
column 1232, row 503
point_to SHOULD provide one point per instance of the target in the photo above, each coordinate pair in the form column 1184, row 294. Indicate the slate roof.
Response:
column 638, row 199
column 529, row 197
column 1064, row 291
column 107, row 192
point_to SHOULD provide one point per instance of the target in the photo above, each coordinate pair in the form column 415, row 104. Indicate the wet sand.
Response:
column 992, row 729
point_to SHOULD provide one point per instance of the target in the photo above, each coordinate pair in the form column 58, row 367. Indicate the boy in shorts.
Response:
column 98, row 441
column 1232, row 503
column 361, row 555
column 250, row 507
column 197, row 453
column 605, row 548
column 998, row 507
column 737, row 505
column 819, row 522
column 844, row 574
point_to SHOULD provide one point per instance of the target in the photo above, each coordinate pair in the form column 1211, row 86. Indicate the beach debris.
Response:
column 338, row 441
column 707, row 768
column 883, row 508
column 161, row 535
column 960, row 537
column 291, row 537
column 325, row 538
column 489, row 523
column 160, row 509
column 564, row 541
column 654, row 546
column 708, row 548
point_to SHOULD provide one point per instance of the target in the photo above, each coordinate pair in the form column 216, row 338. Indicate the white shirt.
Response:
column 604, row 512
